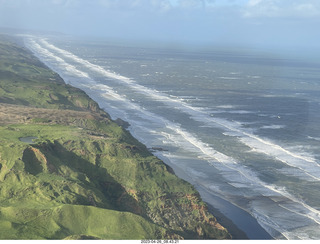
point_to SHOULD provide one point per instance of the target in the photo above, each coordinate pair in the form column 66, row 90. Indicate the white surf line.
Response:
column 271, row 149
column 300, row 165
column 90, row 83
column 211, row 153
column 171, row 125
column 133, row 84
column 206, row 150
column 298, row 212
column 228, row 162
column 269, row 224
column 190, row 110
column 44, row 52
column 262, row 149
column 313, row 213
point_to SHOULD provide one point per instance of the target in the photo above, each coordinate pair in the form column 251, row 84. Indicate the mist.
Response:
column 278, row 25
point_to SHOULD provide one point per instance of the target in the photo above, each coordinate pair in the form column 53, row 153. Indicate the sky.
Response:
column 269, row 23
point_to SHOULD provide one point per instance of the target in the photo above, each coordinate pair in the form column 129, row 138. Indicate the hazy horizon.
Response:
column 273, row 24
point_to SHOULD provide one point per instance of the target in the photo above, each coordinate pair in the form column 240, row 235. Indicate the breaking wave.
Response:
column 236, row 174
column 307, row 164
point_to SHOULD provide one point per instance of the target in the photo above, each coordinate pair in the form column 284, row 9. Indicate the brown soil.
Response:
column 16, row 114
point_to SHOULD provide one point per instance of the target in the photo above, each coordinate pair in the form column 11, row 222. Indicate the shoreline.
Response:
column 87, row 169
column 239, row 223
column 235, row 232
column 236, row 218
column 251, row 229
column 226, row 222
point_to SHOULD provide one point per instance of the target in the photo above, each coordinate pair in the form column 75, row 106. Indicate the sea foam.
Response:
column 234, row 172
column 307, row 164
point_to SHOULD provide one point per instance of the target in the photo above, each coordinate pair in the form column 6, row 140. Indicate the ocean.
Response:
column 242, row 127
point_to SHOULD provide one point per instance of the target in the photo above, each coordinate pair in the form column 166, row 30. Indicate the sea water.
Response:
column 243, row 128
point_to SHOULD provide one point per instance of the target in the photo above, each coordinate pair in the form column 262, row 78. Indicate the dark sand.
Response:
column 246, row 227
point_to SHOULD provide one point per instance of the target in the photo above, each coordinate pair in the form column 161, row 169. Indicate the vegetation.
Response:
column 82, row 176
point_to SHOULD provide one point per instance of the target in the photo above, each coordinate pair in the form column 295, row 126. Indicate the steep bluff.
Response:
column 84, row 176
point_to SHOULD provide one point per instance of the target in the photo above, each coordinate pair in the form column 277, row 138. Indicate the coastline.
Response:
column 251, row 230
column 252, row 194
column 73, row 169
column 226, row 222
column 235, row 232
column 240, row 224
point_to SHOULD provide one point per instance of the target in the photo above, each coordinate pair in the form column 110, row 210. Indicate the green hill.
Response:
column 67, row 171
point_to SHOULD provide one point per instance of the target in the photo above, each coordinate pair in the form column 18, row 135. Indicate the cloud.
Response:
column 307, row 9
column 191, row 3
column 282, row 9
column 182, row 21
column 136, row 5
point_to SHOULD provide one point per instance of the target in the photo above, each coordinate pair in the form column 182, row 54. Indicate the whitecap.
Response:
column 273, row 127
column 229, row 78
column 233, row 171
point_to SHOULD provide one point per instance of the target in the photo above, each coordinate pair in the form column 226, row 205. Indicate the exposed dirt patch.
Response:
column 16, row 114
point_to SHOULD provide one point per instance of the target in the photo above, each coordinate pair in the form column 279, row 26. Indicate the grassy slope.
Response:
column 84, row 176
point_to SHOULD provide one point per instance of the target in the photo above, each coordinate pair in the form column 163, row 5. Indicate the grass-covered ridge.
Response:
column 83, row 176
